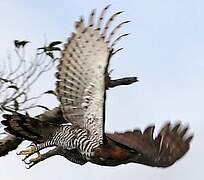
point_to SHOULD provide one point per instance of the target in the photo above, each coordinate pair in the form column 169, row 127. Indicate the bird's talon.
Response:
column 28, row 163
column 31, row 162
column 29, row 166
column 29, row 151
column 24, row 159
column 34, row 160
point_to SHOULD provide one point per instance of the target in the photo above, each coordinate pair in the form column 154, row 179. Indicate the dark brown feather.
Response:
column 171, row 144
column 32, row 129
column 8, row 144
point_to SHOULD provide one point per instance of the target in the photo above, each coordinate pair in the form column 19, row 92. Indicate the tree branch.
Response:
column 16, row 83
column 122, row 81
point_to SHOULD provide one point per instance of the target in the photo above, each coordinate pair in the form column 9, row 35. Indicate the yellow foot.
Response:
column 36, row 159
column 29, row 151
column 31, row 162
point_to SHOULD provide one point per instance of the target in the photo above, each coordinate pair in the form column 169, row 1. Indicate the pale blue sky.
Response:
column 165, row 50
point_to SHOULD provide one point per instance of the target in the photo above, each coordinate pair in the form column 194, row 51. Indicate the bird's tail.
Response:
column 171, row 144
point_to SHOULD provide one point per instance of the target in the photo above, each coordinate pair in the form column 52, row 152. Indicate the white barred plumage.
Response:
column 69, row 137
column 81, row 77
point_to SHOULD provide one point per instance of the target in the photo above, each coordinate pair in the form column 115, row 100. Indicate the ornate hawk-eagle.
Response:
column 76, row 128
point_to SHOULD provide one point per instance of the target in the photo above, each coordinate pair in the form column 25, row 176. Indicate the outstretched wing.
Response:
column 170, row 145
column 81, row 73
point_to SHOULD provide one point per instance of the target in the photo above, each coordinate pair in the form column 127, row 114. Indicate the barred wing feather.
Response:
column 81, row 75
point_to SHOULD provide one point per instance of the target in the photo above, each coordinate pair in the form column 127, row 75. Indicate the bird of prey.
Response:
column 76, row 127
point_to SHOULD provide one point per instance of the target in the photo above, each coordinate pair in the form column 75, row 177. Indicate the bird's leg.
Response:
column 29, row 151
column 33, row 161
column 71, row 155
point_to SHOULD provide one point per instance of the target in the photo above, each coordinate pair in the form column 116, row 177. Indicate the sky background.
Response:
column 165, row 50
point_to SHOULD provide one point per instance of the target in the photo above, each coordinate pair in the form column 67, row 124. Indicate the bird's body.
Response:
column 76, row 128
column 71, row 137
